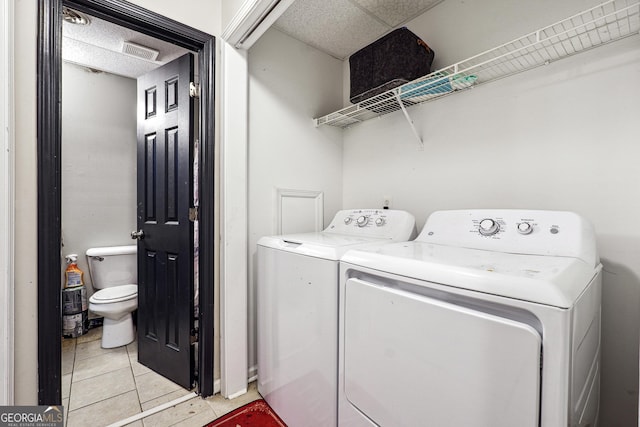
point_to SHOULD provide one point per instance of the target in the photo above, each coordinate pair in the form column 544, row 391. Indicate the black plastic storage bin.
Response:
column 395, row 59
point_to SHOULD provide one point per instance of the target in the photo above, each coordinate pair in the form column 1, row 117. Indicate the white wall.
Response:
column 458, row 29
column 98, row 161
column 204, row 15
column 234, row 229
column 561, row 137
column 25, row 267
column 290, row 83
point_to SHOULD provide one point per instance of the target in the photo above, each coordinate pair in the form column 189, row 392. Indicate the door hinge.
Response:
column 193, row 214
column 194, row 335
column 194, row 90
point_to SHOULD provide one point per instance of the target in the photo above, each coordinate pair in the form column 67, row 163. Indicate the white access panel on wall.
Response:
column 299, row 211
column 490, row 363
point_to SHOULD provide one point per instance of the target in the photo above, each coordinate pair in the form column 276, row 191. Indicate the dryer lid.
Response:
column 549, row 280
column 114, row 294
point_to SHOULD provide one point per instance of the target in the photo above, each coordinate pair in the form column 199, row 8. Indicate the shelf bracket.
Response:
column 408, row 117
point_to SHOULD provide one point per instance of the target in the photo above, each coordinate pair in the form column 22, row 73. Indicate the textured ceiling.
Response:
column 99, row 46
column 353, row 23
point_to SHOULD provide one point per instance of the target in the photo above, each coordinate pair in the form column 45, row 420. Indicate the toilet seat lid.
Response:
column 115, row 294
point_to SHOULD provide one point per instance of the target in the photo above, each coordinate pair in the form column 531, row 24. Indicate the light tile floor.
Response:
column 102, row 386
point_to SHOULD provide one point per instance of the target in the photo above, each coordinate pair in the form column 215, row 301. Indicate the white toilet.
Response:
column 114, row 274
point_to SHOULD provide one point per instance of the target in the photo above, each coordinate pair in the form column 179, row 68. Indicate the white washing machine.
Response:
column 490, row 318
column 297, row 303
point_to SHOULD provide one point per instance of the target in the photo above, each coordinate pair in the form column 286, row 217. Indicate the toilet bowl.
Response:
column 116, row 305
column 114, row 275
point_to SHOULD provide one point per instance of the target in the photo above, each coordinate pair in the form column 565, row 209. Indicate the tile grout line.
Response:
column 105, row 398
column 73, row 370
column 76, row 353
column 152, row 411
column 133, row 374
column 93, row 377
column 73, row 365
column 87, row 360
column 179, row 423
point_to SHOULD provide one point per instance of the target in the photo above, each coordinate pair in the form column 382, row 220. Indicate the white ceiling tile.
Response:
column 396, row 12
column 99, row 46
column 94, row 57
column 337, row 27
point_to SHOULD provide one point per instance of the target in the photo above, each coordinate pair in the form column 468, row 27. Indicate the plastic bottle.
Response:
column 75, row 317
column 73, row 275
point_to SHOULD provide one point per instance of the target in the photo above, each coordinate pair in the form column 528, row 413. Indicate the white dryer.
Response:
column 297, row 311
column 490, row 318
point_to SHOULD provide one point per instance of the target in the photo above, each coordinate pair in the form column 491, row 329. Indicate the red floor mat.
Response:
column 254, row 414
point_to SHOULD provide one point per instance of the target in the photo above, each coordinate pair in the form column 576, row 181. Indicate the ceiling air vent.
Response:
column 138, row 51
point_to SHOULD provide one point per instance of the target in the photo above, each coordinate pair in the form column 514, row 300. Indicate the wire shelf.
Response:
column 608, row 22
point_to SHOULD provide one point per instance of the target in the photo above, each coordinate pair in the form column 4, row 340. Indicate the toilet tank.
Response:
column 113, row 266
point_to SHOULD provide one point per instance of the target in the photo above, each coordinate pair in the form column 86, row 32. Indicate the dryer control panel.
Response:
column 531, row 232
column 382, row 223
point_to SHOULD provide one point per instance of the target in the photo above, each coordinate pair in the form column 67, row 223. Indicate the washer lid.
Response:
column 549, row 280
column 324, row 245
column 115, row 294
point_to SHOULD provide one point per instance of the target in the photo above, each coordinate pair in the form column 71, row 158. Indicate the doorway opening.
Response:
column 49, row 150
column 102, row 66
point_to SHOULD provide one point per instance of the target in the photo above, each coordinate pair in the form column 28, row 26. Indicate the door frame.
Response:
column 49, row 126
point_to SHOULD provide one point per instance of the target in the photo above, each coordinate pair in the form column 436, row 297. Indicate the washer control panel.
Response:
column 383, row 223
column 534, row 232
column 497, row 226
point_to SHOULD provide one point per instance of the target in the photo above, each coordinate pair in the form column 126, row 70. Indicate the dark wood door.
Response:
column 165, row 195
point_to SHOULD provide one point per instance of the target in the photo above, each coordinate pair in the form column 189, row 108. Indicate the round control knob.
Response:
column 525, row 228
column 362, row 221
column 380, row 222
column 488, row 227
column 348, row 220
